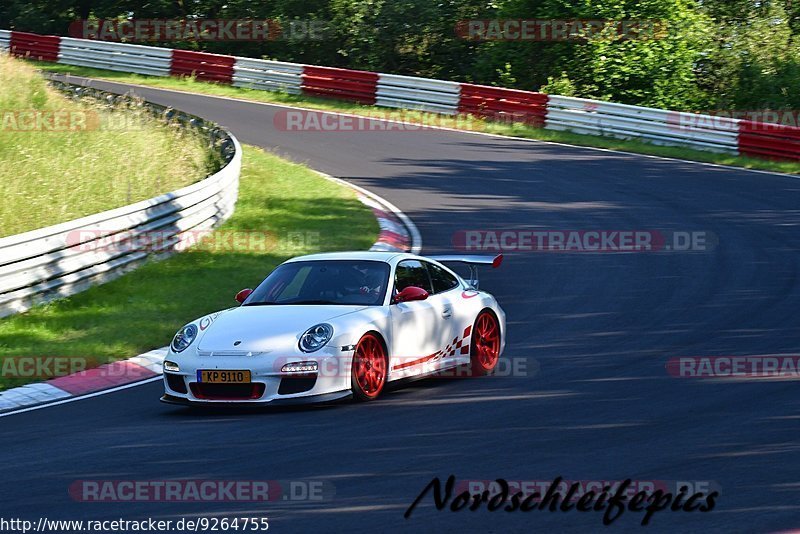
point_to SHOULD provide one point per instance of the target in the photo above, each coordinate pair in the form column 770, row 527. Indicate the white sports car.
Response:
column 329, row 326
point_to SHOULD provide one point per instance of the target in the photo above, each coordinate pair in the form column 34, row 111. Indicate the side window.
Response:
column 442, row 280
column 411, row 273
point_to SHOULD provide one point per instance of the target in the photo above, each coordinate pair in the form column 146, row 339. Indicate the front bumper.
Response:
column 290, row 401
column 268, row 383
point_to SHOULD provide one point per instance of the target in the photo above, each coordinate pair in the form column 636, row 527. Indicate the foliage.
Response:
column 712, row 54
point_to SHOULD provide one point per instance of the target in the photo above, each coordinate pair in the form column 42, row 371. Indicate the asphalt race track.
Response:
column 594, row 332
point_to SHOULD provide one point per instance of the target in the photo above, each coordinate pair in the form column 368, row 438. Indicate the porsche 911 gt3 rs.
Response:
column 329, row 326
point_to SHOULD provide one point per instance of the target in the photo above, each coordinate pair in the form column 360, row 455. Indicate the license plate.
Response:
column 224, row 377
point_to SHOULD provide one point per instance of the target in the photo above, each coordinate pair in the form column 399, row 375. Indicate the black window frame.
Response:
column 430, row 266
column 422, row 263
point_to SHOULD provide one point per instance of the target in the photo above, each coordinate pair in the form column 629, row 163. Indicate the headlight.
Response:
column 315, row 337
column 300, row 367
column 171, row 366
column 184, row 338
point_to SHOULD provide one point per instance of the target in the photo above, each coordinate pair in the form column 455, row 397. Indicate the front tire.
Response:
column 484, row 351
column 369, row 369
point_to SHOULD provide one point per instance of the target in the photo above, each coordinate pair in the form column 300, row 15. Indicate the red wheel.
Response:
column 369, row 368
column 485, row 344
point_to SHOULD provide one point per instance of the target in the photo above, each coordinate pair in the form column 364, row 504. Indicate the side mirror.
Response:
column 409, row 294
column 242, row 295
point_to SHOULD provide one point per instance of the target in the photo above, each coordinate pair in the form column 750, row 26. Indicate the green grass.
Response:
column 110, row 158
column 143, row 309
column 517, row 130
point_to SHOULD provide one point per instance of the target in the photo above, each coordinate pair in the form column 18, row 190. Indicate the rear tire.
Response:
column 484, row 350
column 369, row 369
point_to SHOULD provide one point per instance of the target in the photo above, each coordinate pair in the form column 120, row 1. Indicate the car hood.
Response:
column 266, row 328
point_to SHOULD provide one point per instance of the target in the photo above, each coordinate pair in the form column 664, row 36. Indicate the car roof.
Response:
column 374, row 255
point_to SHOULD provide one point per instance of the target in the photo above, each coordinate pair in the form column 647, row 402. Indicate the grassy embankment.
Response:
column 84, row 157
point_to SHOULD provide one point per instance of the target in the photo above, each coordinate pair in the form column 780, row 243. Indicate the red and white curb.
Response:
column 397, row 233
column 393, row 234
column 105, row 377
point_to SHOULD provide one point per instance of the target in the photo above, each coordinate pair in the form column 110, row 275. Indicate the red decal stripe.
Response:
column 414, row 362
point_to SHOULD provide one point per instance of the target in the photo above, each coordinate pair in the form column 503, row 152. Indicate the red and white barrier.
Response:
column 41, row 47
column 341, row 84
column 203, row 66
column 503, row 104
column 579, row 115
column 770, row 141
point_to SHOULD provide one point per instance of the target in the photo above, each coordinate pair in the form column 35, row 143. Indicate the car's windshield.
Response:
column 344, row 282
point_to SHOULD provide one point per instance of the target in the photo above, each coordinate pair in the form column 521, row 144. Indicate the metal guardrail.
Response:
column 594, row 117
column 67, row 258
column 554, row 112
column 267, row 75
column 116, row 56
column 423, row 94
column 5, row 39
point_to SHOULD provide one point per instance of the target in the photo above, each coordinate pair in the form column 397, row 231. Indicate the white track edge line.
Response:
column 446, row 129
column 416, row 238
column 81, row 397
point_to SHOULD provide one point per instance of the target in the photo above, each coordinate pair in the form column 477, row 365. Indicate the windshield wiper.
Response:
column 264, row 303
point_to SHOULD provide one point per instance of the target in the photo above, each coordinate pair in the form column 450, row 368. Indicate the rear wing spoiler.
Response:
column 473, row 261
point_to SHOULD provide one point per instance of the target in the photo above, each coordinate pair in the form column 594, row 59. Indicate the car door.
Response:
column 417, row 325
column 450, row 306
